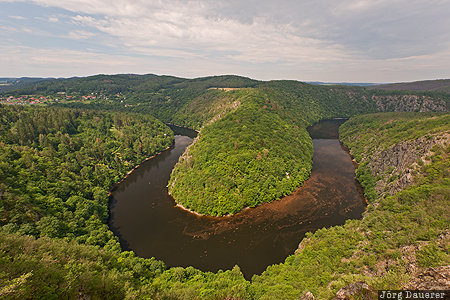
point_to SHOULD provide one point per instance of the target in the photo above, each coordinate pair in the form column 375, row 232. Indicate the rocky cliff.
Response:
column 397, row 167
column 405, row 230
column 405, row 103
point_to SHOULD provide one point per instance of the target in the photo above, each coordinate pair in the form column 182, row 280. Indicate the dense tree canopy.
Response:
column 399, row 232
column 248, row 157
column 57, row 165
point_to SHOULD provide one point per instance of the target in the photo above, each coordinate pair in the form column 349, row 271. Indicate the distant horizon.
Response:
column 328, row 41
column 142, row 74
column 305, row 81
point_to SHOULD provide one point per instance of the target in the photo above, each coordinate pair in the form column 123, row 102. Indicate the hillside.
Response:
column 404, row 232
column 242, row 159
column 123, row 83
column 8, row 84
column 402, row 241
column 221, row 173
column 57, row 166
column 439, row 85
column 247, row 127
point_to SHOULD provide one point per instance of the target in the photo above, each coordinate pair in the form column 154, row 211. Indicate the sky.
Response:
column 306, row 40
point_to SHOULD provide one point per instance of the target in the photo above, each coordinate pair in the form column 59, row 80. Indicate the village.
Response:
column 59, row 97
column 23, row 100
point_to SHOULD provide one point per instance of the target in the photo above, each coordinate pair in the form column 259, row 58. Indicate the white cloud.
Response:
column 258, row 41
column 53, row 19
column 376, row 28
column 16, row 29
column 80, row 34
column 294, row 36
column 17, row 17
column 85, row 20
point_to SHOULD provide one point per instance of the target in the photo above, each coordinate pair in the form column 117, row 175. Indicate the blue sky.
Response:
column 323, row 40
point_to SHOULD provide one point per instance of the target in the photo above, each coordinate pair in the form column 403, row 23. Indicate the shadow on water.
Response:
column 146, row 220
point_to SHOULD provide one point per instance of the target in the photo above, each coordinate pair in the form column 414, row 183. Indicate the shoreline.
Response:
column 186, row 151
column 189, row 211
column 180, row 206
column 134, row 168
column 343, row 146
column 184, row 127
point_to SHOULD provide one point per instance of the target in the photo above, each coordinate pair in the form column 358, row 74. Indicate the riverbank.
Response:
column 402, row 241
column 134, row 168
column 181, row 127
column 188, row 210
column 149, row 222
column 324, row 129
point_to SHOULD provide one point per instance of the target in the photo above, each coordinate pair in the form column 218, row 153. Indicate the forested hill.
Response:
column 194, row 102
column 57, row 165
column 252, row 147
column 126, row 83
column 401, row 243
column 58, row 161
column 8, row 84
column 439, row 85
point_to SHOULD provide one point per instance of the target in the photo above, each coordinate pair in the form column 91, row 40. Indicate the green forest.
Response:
column 249, row 157
column 414, row 219
column 258, row 150
column 59, row 160
column 57, row 166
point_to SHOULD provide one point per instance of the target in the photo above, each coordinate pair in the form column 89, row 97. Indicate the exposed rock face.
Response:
column 408, row 103
column 431, row 279
column 307, row 296
column 356, row 290
column 223, row 109
column 396, row 165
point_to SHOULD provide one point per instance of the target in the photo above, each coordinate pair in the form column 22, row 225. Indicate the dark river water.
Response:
column 145, row 218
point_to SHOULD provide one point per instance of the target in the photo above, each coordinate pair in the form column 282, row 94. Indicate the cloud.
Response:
column 16, row 29
column 376, row 28
column 85, row 20
column 22, row 60
column 293, row 36
column 194, row 30
column 53, row 19
column 80, row 34
column 17, row 17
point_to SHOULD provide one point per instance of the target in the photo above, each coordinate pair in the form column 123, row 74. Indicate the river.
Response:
column 145, row 218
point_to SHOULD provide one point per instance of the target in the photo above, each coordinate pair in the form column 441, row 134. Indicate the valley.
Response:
column 147, row 221
column 59, row 161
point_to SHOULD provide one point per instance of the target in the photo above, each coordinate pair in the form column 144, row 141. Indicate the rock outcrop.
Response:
column 307, row 296
column 408, row 103
column 431, row 279
column 356, row 290
column 395, row 166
